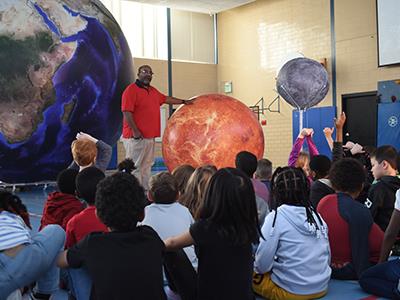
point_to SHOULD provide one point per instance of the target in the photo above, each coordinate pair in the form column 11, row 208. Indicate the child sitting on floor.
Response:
column 354, row 237
column 292, row 260
column 26, row 258
column 166, row 216
column 223, row 237
column 125, row 263
column 383, row 279
column 62, row 205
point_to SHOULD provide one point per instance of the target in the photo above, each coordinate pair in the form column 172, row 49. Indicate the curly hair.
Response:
column 84, row 152
column 163, row 188
column 347, row 175
column 120, row 201
column 127, row 165
column 12, row 203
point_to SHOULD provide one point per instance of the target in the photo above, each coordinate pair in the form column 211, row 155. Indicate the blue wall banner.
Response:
column 389, row 124
column 317, row 118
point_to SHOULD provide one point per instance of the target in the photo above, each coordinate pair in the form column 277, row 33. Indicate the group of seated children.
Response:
column 208, row 233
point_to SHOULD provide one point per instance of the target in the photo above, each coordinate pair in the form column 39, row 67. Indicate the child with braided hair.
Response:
column 292, row 261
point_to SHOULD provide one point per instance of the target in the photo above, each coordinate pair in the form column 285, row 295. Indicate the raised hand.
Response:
column 85, row 136
column 328, row 132
column 339, row 122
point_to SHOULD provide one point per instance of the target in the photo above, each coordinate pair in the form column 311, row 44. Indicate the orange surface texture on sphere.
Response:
column 212, row 130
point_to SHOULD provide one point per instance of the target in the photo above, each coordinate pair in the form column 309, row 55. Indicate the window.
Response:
column 145, row 28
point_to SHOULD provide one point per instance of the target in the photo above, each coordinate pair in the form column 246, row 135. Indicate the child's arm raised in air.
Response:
column 312, row 148
column 179, row 241
column 328, row 132
column 294, row 154
column 337, row 151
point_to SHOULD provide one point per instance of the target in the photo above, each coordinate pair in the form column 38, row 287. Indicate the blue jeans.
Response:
column 35, row 262
column 80, row 283
column 382, row 279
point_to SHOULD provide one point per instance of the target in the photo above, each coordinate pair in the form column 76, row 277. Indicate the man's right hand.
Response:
column 137, row 135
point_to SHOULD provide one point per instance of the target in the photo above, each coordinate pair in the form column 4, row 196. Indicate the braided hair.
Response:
column 290, row 186
column 12, row 203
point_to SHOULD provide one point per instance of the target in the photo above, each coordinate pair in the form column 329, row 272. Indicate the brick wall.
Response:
column 254, row 39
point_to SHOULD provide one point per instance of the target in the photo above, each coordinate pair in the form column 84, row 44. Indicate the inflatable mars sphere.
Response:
column 212, row 130
column 63, row 67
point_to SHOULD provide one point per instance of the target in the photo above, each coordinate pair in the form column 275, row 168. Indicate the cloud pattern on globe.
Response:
column 63, row 67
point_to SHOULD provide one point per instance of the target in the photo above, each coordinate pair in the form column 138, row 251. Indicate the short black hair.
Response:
column 230, row 202
column 347, row 175
column 163, row 188
column 320, row 164
column 246, row 162
column 120, row 201
column 127, row 165
column 388, row 153
column 66, row 181
column 86, row 183
column 264, row 169
column 143, row 66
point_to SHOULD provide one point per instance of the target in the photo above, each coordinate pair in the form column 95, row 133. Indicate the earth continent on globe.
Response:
column 63, row 67
column 212, row 130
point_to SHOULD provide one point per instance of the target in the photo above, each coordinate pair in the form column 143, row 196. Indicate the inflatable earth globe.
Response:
column 63, row 67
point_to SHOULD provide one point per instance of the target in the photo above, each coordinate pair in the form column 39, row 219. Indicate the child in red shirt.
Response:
column 354, row 238
column 86, row 221
column 62, row 205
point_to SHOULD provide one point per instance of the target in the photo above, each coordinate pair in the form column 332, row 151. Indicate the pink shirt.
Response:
column 260, row 189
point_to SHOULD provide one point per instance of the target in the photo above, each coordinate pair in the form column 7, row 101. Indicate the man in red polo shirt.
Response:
column 141, row 125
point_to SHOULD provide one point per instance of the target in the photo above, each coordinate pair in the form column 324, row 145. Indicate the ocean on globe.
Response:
column 63, row 67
